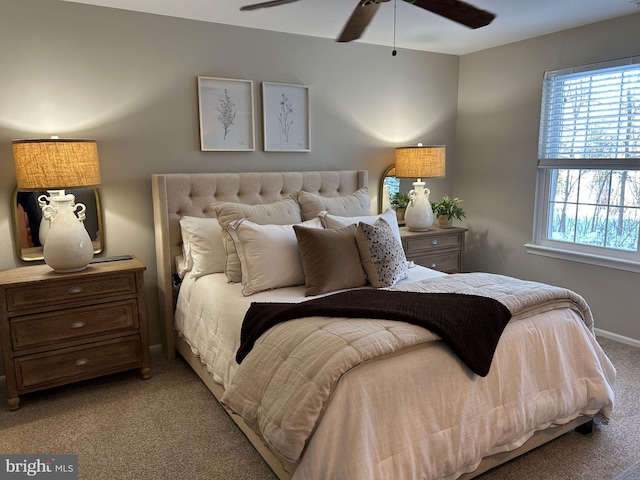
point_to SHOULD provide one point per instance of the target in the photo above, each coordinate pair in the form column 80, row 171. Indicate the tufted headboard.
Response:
column 179, row 194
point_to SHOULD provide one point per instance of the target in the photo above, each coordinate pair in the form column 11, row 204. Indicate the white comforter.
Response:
column 210, row 310
column 393, row 419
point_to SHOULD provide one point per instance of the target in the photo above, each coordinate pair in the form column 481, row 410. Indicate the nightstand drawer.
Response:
column 54, row 293
column 443, row 262
column 55, row 327
column 426, row 244
column 76, row 363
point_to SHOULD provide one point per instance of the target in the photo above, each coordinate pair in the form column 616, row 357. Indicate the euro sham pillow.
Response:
column 330, row 259
column 202, row 248
column 356, row 203
column 268, row 254
column 337, row 221
column 282, row 212
column 382, row 258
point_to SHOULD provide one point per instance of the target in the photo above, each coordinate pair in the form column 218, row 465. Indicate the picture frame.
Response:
column 226, row 114
column 285, row 110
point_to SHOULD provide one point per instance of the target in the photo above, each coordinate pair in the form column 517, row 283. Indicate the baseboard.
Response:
column 618, row 338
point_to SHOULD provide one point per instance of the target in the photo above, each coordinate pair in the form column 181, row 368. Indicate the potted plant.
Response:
column 447, row 209
column 399, row 202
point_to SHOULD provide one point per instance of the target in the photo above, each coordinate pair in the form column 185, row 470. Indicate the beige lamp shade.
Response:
column 420, row 161
column 47, row 164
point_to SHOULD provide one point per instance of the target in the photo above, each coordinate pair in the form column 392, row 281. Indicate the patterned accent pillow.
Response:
column 381, row 254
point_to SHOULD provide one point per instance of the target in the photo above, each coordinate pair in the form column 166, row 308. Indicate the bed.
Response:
column 373, row 398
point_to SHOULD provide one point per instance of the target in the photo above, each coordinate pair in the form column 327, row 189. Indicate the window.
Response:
column 588, row 189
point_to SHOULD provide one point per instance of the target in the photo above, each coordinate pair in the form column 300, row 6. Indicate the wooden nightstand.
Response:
column 438, row 248
column 58, row 328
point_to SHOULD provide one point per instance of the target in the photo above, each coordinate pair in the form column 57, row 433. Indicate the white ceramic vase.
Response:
column 419, row 215
column 67, row 247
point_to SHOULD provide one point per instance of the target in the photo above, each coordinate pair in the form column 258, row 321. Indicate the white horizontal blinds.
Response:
column 591, row 117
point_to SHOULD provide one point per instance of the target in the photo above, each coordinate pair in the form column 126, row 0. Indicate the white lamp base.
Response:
column 419, row 215
column 67, row 247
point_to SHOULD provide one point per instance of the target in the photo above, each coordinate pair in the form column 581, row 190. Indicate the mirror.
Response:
column 389, row 185
column 27, row 216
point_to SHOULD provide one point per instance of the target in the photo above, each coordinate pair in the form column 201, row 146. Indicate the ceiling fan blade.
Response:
column 358, row 21
column 271, row 3
column 457, row 11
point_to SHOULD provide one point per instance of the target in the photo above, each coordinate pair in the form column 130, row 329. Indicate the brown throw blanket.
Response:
column 470, row 324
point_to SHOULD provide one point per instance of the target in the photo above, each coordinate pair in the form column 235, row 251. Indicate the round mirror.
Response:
column 29, row 228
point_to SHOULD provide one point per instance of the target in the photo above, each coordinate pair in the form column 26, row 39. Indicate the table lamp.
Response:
column 56, row 164
column 420, row 162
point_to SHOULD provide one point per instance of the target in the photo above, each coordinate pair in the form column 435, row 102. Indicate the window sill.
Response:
column 591, row 259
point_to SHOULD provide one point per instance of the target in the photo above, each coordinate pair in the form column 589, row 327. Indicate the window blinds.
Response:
column 591, row 116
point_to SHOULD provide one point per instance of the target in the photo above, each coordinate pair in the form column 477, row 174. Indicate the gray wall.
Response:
column 129, row 81
column 495, row 171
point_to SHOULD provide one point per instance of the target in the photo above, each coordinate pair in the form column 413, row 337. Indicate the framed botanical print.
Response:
column 285, row 117
column 226, row 114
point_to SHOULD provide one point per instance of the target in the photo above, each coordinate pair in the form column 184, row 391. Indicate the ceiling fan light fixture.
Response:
column 270, row 3
column 455, row 10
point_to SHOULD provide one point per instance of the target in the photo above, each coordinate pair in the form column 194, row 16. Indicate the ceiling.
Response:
column 416, row 29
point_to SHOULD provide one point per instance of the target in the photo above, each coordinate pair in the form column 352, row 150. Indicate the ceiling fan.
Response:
column 455, row 10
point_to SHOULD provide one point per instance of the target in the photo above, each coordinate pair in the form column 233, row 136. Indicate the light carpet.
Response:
column 631, row 473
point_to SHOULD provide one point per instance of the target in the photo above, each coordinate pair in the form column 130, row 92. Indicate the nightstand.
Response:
column 58, row 328
column 438, row 248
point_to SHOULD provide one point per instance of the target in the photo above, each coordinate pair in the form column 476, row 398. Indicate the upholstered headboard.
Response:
column 178, row 194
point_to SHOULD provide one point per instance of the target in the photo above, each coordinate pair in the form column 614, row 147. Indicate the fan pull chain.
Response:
column 394, row 52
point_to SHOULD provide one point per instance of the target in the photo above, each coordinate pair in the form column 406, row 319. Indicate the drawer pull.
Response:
column 78, row 324
column 434, row 242
column 82, row 362
column 73, row 290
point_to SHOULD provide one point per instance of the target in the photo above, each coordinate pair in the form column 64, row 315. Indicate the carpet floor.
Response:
column 171, row 427
column 631, row 473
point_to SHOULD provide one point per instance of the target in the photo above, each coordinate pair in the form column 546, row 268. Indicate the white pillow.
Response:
column 356, row 203
column 202, row 246
column 268, row 254
column 281, row 212
column 335, row 221
column 182, row 265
